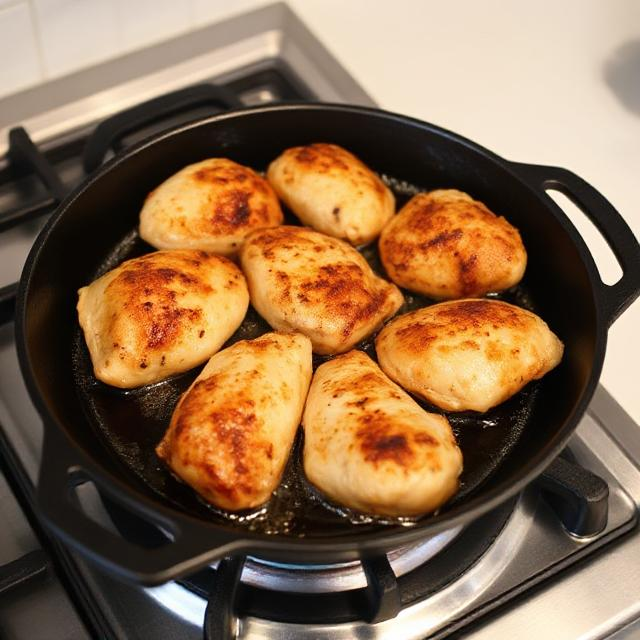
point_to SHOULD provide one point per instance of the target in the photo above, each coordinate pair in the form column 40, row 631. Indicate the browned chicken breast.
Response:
column 329, row 189
column 232, row 431
column 467, row 354
column 301, row 280
column 211, row 205
column 368, row 445
column 445, row 245
column 160, row 314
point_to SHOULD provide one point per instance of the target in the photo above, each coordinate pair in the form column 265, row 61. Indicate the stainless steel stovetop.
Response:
column 586, row 587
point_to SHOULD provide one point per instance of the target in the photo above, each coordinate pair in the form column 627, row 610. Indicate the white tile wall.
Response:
column 44, row 39
column 75, row 33
column 19, row 58
column 144, row 22
column 212, row 10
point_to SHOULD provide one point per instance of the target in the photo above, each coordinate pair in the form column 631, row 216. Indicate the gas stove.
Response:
column 561, row 560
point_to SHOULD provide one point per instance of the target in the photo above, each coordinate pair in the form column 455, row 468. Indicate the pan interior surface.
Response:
column 131, row 423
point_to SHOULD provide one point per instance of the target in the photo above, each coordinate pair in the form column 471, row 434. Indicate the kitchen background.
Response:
column 549, row 82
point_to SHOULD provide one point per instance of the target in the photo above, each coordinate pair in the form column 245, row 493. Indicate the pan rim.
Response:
column 471, row 508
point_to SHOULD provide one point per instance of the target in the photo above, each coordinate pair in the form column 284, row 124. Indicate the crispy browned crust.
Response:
column 379, row 437
column 209, row 205
column 160, row 314
column 150, row 289
column 333, row 191
column 226, row 453
column 230, row 434
column 368, row 445
column 241, row 199
column 468, row 318
column 446, row 245
column 336, row 282
column 467, row 354
column 327, row 158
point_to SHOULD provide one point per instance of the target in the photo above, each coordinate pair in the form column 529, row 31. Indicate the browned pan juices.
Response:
column 131, row 423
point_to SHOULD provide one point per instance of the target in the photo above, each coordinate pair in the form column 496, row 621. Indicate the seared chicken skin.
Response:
column 160, row 314
column 232, row 431
column 369, row 446
column 211, row 205
column 332, row 191
column 467, row 354
column 445, row 245
column 301, row 280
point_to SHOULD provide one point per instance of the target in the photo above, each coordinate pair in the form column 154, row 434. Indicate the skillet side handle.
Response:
column 185, row 547
column 617, row 297
column 579, row 498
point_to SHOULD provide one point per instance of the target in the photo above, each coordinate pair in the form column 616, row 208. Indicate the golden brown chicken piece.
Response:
column 232, row 431
column 467, row 354
column 445, row 245
column 160, row 314
column 368, row 445
column 211, row 205
column 332, row 191
column 301, row 280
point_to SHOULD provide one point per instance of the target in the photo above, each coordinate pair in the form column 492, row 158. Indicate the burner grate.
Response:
column 31, row 566
column 383, row 596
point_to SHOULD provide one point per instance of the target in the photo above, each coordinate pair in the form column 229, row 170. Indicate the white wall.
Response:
column 44, row 39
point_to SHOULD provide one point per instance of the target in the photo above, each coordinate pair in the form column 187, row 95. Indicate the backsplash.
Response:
column 44, row 39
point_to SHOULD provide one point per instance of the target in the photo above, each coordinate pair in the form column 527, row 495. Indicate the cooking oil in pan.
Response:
column 132, row 422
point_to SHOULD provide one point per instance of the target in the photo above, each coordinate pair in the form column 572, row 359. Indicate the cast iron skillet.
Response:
column 98, row 434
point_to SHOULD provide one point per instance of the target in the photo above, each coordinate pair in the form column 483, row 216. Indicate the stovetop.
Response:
column 517, row 571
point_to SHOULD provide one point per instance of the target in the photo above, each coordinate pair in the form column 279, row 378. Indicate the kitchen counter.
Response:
column 542, row 82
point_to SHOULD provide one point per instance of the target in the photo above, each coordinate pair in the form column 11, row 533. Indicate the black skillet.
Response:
column 106, row 436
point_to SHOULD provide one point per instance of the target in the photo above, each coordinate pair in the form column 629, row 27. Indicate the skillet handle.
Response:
column 186, row 544
column 617, row 297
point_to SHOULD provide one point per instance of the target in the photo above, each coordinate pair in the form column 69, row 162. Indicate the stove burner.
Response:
column 369, row 590
column 377, row 589
column 323, row 578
